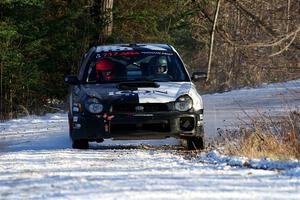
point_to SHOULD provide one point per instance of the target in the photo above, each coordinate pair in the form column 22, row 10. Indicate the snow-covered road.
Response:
column 37, row 162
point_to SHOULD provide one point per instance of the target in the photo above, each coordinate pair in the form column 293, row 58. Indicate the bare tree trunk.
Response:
column 1, row 92
column 212, row 38
column 10, row 100
column 106, row 7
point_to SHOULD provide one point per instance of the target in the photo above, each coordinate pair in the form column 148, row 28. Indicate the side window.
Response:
column 83, row 63
column 92, row 76
column 177, row 72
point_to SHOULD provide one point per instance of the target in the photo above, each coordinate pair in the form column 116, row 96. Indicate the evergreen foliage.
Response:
column 40, row 42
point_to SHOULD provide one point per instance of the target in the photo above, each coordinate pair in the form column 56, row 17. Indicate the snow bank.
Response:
column 214, row 157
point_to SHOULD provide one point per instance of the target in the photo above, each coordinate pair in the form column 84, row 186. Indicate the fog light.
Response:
column 187, row 123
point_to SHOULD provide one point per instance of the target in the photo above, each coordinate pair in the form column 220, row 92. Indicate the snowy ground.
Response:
column 223, row 110
column 37, row 162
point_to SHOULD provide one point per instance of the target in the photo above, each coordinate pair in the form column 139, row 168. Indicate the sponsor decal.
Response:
column 122, row 53
column 136, row 92
column 132, row 53
column 157, row 53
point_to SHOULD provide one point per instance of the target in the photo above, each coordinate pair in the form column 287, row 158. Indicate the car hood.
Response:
column 165, row 92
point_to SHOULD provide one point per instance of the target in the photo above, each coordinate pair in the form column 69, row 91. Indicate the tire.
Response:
column 193, row 143
column 80, row 144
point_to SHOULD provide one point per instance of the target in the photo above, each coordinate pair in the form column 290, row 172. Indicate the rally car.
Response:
column 134, row 91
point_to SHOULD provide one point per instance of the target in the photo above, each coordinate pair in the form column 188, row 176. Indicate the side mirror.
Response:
column 199, row 76
column 72, row 80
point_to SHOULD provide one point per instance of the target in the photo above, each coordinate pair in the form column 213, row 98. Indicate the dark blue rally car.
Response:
column 134, row 91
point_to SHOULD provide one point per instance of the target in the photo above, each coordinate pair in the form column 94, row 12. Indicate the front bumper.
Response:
column 135, row 125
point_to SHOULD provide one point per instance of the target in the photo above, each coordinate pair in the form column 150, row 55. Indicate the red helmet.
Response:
column 105, row 68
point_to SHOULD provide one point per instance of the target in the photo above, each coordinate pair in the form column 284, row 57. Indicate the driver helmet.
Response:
column 105, row 69
column 162, row 65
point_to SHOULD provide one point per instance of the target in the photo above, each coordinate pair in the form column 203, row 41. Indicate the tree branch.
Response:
column 287, row 46
column 277, row 40
column 258, row 21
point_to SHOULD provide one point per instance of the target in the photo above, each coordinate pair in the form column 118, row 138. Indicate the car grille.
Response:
column 132, row 128
column 146, row 107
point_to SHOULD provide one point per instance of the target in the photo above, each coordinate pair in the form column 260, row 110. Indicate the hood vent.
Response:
column 136, row 85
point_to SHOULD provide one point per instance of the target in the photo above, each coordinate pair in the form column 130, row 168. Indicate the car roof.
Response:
column 134, row 47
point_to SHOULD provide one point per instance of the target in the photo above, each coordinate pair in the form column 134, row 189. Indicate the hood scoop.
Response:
column 137, row 84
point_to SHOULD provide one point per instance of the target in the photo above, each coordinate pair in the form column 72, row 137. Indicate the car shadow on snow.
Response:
column 136, row 147
column 160, row 144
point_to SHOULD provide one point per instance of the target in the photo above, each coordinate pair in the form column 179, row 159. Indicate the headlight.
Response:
column 183, row 103
column 94, row 106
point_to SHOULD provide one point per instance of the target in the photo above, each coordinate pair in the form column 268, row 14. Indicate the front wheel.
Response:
column 193, row 143
column 80, row 144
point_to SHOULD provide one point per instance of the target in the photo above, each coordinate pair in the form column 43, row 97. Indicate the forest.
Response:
column 237, row 42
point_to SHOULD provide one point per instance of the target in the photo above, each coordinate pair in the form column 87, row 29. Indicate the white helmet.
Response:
column 162, row 65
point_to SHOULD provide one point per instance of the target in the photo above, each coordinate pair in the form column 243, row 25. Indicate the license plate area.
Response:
column 162, row 126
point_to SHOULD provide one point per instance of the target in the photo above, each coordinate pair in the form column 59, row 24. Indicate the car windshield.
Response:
column 135, row 66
